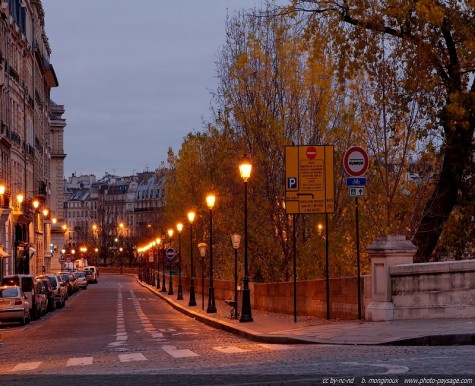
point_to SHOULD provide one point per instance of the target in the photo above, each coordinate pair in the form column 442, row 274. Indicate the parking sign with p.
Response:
column 292, row 183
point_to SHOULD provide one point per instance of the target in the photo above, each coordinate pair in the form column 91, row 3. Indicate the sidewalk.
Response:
column 268, row 327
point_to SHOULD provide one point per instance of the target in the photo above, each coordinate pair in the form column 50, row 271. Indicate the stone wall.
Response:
column 279, row 297
column 433, row 290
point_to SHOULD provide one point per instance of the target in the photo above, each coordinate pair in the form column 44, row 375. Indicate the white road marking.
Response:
column 157, row 335
column 391, row 369
column 229, row 349
column 275, row 346
column 115, row 344
column 175, row 353
column 132, row 357
column 186, row 333
column 79, row 361
column 166, row 329
column 26, row 366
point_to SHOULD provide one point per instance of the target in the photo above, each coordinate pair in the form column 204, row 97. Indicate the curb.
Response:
column 222, row 325
column 428, row 340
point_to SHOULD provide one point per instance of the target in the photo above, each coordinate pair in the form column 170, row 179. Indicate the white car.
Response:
column 14, row 305
column 82, row 279
column 94, row 271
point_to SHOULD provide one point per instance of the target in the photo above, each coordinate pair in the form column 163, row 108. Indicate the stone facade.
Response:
column 29, row 160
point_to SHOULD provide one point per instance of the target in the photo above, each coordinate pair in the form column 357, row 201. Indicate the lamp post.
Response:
column 179, row 228
column 192, row 302
column 121, row 257
column 158, row 240
column 18, row 261
column 202, row 248
column 164, row 288
column 235, row 241
column 210, row 200
column 170, row 283
column 245, row 168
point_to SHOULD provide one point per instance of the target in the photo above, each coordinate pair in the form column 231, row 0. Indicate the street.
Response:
column 117, row 332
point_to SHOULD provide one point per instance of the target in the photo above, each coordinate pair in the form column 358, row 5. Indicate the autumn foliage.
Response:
column 379, row 75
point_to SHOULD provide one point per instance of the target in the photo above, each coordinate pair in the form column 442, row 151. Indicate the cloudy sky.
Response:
column 134, row 76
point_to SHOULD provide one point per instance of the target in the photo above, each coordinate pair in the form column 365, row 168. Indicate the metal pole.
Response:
column 180, row 287
column 211, row 301
column 358, row 258
column 202, row 283
column 158, row 266
column 295, row 267
column 327, row 274
column 170, row 283
column 235, row 285
column 164, row 283
column 246, row 315
column 192, row 301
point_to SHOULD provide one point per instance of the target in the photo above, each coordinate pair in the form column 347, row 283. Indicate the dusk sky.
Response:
column 134, row 76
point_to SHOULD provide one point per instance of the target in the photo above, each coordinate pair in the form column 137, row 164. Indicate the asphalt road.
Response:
column 117, row 332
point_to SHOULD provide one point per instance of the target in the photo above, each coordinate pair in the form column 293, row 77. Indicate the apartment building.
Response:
column 31, row 140
column 113, row 212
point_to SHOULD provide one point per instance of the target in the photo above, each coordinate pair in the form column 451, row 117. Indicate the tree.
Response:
column 434, row 41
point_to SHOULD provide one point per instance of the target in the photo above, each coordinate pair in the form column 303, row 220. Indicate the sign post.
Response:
column 309, row 188
column 356, row 163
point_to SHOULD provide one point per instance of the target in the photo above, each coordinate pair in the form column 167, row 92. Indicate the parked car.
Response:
column 49, row 292
column 26, row 284
column 14, row 305
column 40, row 299
column 94, row 270
column 89, row 275
column 60, row 288
column 73, row 279
column 67, row 283
column 82, row 280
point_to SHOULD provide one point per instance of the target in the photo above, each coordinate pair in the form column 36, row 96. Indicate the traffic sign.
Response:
column 356, row 192
column 356, row 181
column 170, row 254
column 356, row 161
column 309, row 179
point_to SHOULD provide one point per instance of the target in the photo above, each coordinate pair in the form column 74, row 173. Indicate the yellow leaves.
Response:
column 430, row 11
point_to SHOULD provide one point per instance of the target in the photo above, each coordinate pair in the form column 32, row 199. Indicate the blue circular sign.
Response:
column 170, row 254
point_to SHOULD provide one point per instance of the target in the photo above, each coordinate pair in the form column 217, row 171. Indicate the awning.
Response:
column 3, row 253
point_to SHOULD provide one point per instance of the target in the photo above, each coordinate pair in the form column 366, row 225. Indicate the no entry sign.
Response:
column 311, row 152
column 356, row 161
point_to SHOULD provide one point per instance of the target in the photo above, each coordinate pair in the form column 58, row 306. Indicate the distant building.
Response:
column 112, row 212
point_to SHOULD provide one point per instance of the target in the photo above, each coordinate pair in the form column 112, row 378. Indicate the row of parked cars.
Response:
column 25, row 297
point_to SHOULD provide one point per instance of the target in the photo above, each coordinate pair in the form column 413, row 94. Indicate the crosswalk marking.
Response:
column 79, row 361
column 132, row 357
column 275, row 346
column 176, row 353
column 26, row 366
column 229, row 349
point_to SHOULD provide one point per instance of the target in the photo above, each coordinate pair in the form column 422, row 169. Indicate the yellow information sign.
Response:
column 309, row 180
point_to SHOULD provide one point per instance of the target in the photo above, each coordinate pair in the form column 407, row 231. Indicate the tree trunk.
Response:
column 456, row 160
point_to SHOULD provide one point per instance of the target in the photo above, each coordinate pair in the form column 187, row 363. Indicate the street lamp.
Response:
column 179, row 228
column 210, row 200
column 192, row 302
column 2, row 192
column 202, row 248
column 235, row 241
column 245, row 168
column 158, row 240
column 170, row 283
column 121, row 257
column 164, row 288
